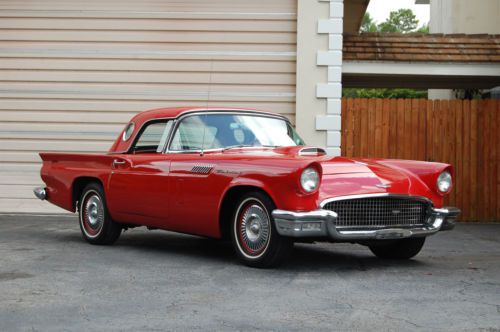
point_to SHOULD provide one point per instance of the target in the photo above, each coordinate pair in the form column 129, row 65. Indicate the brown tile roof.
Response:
column 421, row 47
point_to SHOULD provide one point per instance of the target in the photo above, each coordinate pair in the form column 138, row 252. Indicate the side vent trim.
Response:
column 202, row 168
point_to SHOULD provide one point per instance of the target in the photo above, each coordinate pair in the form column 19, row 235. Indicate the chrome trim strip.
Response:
column 375, row 195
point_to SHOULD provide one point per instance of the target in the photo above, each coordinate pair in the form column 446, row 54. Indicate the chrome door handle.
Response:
column 118, row 162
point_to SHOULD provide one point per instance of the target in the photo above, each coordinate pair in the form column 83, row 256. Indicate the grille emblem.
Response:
column 383, row 185
column 396, row 212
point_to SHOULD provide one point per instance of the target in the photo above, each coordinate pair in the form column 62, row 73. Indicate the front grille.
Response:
column 379, row 212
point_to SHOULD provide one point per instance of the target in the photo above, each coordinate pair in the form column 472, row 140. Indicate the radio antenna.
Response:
column 210, row 81
column 206, row 105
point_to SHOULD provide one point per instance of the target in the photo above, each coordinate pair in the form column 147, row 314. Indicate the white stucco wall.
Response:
column 463, row 16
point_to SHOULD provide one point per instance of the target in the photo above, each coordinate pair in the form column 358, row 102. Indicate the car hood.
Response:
column 346, row 176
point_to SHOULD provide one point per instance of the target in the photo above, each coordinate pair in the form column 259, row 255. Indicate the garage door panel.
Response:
column 161, row 25
column 166, row 66
column 21, row 178
column 65, row 117
column 261, row 79
column 147, row 49
column 20, row 157
column 114, row 106
column 149, row 36
column 72, row 73
column 34, row 145
column 147, row 53
column 228, row 6
column 196, row 95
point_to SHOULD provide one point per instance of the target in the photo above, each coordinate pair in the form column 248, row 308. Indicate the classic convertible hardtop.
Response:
column 194, row 170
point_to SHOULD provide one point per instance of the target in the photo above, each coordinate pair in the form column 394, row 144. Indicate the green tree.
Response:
column 423, row 29
column 368, row 24
column 402, row 20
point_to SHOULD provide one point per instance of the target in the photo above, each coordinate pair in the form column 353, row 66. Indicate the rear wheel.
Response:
column 398, row 249
column 95, row 223
column 253, row 234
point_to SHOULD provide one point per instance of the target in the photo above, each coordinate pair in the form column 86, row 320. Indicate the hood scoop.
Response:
column 312, row 152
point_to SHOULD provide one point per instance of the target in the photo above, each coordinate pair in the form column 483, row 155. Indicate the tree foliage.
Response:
column 383, row 93
column 400, row 21
column 368, row 24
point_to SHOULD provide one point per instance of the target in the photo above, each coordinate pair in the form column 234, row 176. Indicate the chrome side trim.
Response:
column 40, row 193
column 342, row 198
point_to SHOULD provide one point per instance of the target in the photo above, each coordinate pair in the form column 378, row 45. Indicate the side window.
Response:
column 153, row 137
column 190, row 133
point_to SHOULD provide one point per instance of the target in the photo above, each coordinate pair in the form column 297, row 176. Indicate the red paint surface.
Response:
column 159, row 190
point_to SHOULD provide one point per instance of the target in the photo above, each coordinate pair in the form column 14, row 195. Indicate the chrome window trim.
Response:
column 144, row 125
column 213, row 112
column 350, row 197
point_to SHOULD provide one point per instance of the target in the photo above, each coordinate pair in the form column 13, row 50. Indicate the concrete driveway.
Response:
column 50, row 280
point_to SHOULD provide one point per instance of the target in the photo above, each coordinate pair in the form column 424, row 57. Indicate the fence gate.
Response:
column 463, row 133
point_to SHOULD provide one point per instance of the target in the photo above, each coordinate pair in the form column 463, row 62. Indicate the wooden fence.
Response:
column 463, row 133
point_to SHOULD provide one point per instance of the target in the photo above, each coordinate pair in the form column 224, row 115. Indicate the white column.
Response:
column 331, row 90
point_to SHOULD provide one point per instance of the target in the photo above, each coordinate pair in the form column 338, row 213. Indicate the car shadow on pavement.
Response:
column 342, row 257
column 305, row 257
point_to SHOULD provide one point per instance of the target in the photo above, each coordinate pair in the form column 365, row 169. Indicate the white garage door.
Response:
column 73, row 72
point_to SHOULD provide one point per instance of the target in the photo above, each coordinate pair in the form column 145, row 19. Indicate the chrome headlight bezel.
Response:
column 444, row 182
column 309, row 179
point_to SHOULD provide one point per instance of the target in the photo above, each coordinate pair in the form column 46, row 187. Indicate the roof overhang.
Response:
column 420, row 75
column 354, row 10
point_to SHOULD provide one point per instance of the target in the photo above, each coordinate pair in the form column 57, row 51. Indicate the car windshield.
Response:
column 223, row 131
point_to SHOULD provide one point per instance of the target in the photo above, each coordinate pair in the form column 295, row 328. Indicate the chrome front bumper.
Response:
column 321, row 224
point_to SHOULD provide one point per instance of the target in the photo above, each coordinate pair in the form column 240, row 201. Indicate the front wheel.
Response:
column 253, row 234
column 95, row 222
column 398, row 249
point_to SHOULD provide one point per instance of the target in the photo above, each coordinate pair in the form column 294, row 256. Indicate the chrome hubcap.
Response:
column 255, row 228
column 95, row 212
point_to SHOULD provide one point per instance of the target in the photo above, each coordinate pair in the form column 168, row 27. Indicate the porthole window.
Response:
column 128, row 131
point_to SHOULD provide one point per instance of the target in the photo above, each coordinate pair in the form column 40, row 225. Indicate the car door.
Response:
column 195, row 185
column 138, row 190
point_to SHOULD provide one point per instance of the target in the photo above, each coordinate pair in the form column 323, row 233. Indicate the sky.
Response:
column 380, row 9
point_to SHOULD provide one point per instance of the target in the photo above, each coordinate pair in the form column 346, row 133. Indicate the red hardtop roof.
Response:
column 169, row 112
column 173, row 112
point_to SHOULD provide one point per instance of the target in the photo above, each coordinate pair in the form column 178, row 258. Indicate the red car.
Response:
column 247, row 176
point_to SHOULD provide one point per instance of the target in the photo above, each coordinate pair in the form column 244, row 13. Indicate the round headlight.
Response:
column 309, row 179
column 444, row 182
